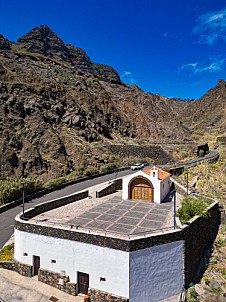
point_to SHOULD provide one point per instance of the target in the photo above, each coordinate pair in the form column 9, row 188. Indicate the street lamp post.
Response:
column 23, row 183
column 174, row 216
column 187, row 181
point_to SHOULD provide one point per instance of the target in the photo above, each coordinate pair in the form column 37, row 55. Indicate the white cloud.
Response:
column 211, row 27
column 128, row 78
column 214, row 66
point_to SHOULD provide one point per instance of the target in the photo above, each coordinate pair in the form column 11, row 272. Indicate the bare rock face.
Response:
column 80, row 60
column 4, row 44
column 58, row 109
column 209, row 111
column 43, row 40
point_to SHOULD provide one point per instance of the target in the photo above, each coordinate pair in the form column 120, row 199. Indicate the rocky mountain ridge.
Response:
column 59, row 110
column 208, row 112
column 42, row 40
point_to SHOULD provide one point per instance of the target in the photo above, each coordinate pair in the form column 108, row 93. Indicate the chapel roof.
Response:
column 162, row 174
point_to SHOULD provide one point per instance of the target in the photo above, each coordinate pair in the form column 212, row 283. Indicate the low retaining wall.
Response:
column 156, row 153
column 54, row 279
column 55, row 203
column 110, row 188
column 98, row 295
column 21, row 268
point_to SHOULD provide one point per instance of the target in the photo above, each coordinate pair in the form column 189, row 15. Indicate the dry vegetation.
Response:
column 212, row 183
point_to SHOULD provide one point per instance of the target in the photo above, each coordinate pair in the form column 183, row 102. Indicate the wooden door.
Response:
column 141, row 189
column 83, row 283
column 36, row 260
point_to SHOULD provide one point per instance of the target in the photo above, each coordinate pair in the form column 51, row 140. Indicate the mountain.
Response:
column 207, row 112
column 42, row 40
column 4, row 44
column 59, row 110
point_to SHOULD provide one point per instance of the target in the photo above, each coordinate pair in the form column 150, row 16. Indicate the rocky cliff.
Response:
column 58, row 109
column 42, row 40
column 207, row 112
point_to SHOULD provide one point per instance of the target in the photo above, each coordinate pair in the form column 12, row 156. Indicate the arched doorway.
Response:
column 141, row 188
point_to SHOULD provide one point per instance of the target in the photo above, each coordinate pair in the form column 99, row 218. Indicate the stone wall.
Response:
column 53, row 279
column 111, row 188
column 156, row 153
column 197, row 235
column 55, row 203
column 21, row 268
column 101, row 296
column 221, row 139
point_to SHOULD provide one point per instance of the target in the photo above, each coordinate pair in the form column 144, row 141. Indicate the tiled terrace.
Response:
column 125, row 216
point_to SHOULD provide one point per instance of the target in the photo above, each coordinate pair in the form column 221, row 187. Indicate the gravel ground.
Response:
column 77, row 208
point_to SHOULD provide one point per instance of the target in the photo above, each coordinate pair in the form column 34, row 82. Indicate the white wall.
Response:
column 154, row 180
column 156, row 273
column 165, row 187
column 72, row 256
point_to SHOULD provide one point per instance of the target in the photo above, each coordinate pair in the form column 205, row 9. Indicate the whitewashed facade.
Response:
column 146, row 275
column 161, row 187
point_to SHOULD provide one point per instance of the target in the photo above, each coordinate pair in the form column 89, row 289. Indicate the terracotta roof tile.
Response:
column 162, row 174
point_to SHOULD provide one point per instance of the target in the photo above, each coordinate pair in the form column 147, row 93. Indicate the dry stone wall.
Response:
column 21, row 268
column 156, row 153
column 52, row 278
column 98, row 295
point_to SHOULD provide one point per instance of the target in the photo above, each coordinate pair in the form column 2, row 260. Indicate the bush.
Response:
column 6, row 253
column 55, row 182
column 90, row 170
column 192, row 207
column 193, row 296
column 12, row 189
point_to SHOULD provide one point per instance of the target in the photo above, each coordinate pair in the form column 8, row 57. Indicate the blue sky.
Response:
column 171, row 47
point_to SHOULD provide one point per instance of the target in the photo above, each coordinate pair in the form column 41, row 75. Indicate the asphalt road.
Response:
column 7, row 218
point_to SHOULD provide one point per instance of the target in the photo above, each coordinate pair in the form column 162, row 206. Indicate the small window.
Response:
column 163, row 186
column 24, row 254
column 153, row 174
column 102, row 279
column 63, row 272
column 53, row 261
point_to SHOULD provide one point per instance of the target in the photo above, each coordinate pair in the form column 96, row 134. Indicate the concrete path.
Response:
column 15, row 288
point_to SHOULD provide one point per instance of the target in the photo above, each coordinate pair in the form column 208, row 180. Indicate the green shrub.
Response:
column 193, row 296
column 11, row 189
column 113, row 158
column 6, row 253
column 55, row 182
column 90, row 170
column 192, row 207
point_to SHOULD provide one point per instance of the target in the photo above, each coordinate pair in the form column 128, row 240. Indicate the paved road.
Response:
column 7, row 218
